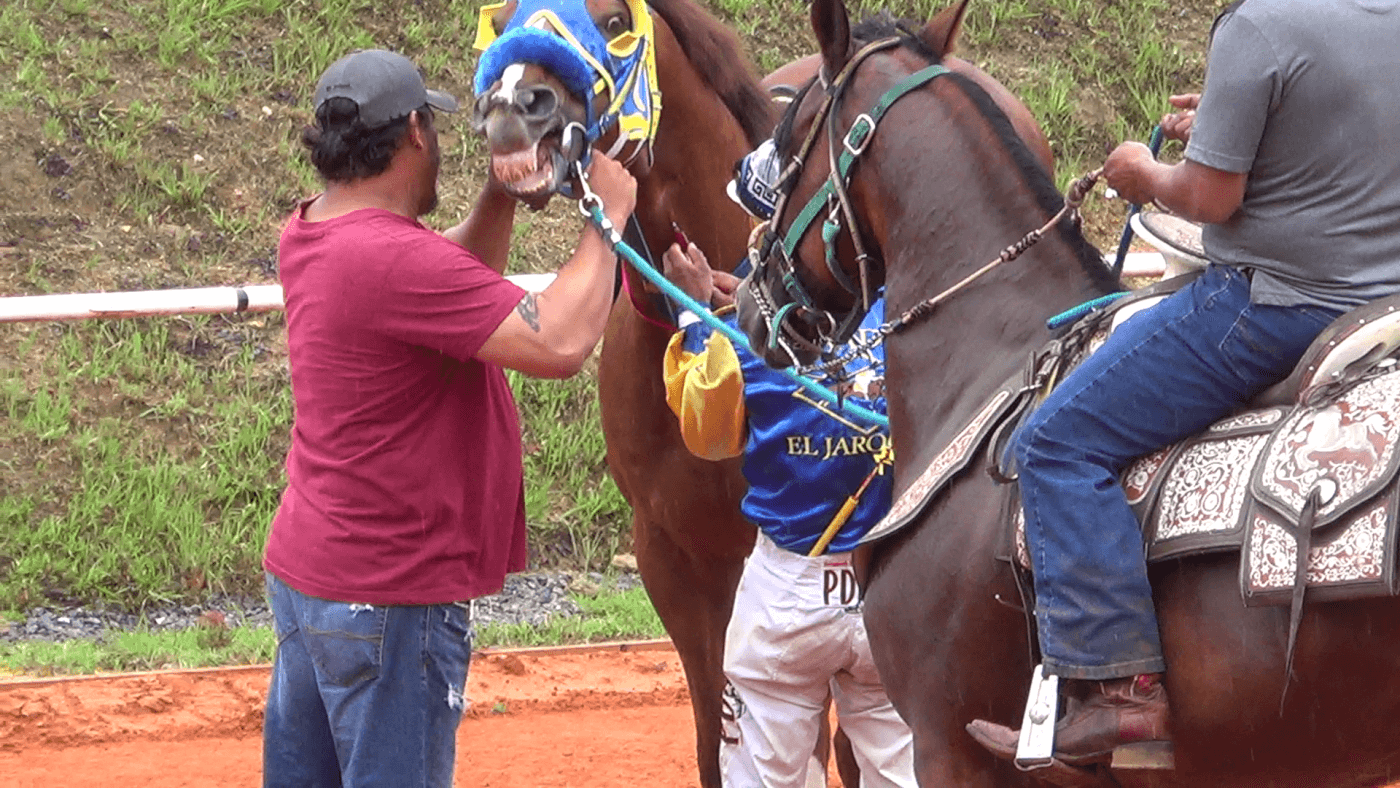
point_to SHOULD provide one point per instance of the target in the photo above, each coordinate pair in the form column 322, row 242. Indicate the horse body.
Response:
column 689, row 537
column 939, row 192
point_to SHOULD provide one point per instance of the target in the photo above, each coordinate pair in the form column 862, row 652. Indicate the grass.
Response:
column 141, row 650
column 608, row 615
column 123, row 519
column 142, row 460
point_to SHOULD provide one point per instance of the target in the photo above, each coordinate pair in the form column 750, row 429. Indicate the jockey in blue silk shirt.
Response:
column 802, row 456
column 818, row 481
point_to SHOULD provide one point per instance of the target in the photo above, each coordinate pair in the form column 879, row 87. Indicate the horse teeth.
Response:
column 535, row 182
column 525, row 171
column 514, row 166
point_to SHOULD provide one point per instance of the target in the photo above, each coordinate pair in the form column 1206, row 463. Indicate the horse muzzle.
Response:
column 533, row 144
column 758, row 324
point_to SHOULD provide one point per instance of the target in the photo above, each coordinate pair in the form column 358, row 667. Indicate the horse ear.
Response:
column 833, row 28
column 941, row 32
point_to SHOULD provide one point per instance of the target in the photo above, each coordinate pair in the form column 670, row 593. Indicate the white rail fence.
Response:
column 184, row 301
column 268, row 298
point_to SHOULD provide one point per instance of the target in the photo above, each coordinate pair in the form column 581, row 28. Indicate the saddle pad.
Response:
column 1190, row 497
column 1243, row 483
column 1356, row 560
column 1346, row 449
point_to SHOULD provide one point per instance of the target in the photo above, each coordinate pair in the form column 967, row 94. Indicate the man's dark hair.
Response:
column 343, row 149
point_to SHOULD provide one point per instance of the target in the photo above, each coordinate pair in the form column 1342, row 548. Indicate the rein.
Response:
column 1074, row 198
column 834, row 198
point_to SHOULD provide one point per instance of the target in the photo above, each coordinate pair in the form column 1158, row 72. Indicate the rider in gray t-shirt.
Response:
column 1294, row 163
column 1300, row 95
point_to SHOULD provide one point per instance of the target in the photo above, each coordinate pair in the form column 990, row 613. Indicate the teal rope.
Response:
column 734, row 335
column 1070, row 315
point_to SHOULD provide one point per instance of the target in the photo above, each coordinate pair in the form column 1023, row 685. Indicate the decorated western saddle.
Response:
column 1307, row 470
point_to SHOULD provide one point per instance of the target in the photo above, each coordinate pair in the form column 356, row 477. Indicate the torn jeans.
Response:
column 363, row 695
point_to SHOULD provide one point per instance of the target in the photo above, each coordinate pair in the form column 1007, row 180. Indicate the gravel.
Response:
column 531, row 597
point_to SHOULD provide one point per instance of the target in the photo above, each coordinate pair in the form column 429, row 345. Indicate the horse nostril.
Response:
column 481, row 109
column 536, row 101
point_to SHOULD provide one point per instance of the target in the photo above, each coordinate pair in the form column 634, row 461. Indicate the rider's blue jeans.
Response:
column 363, row 695
column 1164, row 374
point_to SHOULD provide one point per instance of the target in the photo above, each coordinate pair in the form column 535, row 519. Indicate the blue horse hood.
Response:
column 561, row 36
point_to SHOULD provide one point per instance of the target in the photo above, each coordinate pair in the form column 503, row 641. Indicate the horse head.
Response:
column 820, row 262
column 556, row 77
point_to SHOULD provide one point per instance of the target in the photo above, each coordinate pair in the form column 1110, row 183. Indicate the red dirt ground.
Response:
column 581, row 720
column 546, row 719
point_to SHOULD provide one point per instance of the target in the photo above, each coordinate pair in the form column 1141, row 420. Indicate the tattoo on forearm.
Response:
column 529, row 311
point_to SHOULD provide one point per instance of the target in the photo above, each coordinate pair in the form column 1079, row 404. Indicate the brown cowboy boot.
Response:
column 1101, row 716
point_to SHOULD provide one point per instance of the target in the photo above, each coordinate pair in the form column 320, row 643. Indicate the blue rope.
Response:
column 734, row 335
column 1155, row 145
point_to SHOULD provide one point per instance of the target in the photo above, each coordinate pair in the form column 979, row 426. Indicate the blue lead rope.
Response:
column 1155, row 145
column 593, row 209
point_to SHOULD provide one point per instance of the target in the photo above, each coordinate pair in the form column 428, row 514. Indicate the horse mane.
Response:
column 715, row 52
column 883, row 25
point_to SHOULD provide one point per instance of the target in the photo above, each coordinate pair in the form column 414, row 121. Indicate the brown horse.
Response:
column 938, row 192
column 690, row 539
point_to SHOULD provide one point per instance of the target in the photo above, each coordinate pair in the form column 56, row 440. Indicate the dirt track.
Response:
column 605, row 718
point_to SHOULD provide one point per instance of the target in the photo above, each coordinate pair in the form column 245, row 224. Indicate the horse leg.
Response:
column 845, row 758
column 836, row 747
column 947, row 650
column 693, row 596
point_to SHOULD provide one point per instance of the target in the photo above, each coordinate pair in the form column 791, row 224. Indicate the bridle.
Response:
column 620, row 72
column 832, row 200
column 781, row 249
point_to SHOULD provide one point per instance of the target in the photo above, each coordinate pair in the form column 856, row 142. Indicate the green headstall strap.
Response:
column 853, row 145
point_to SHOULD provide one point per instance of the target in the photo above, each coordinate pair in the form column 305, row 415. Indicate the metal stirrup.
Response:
column 1036, row 746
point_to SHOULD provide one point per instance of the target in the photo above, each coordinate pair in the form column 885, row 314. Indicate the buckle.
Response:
column 855, row 144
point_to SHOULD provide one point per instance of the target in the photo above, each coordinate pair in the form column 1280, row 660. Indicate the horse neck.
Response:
column 697, row 143
column 943, row 220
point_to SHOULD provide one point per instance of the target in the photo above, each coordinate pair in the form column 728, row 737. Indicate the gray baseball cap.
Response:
column 385, row 85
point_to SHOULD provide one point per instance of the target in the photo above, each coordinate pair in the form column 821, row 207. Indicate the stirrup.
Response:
column 1036, row 746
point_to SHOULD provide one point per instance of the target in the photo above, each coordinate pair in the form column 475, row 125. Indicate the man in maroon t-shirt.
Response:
column 404, row 494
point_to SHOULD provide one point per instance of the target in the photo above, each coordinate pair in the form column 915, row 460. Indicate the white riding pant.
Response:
column 795, row 639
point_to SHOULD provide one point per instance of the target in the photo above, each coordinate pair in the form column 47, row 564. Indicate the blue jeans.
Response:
column 1163, row 375
column 363, row 695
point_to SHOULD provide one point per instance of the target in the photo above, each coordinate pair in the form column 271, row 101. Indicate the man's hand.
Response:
column 1177, row 125
column 725, row 285
column 1188, row 189
column 615, row 186
column 1127, row 172
column 690, row 271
